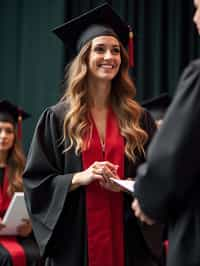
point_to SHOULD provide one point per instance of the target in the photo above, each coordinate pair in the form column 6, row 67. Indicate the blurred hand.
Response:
column 1, row 224
column 25, row 228
column 139, row 213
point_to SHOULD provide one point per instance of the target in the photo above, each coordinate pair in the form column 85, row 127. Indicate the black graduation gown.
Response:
column 172, row 172
column 58, row 215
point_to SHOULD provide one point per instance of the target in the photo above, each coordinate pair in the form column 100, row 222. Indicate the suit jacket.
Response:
column 172, row 172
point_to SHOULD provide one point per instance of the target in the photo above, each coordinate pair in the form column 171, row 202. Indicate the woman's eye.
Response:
column 7, row 131
column 99, row 49
column 116, row 50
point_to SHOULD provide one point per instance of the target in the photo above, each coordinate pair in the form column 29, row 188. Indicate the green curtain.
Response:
column 33, row 59
column 31, row 56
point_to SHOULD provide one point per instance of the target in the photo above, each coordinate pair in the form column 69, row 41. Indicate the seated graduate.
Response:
column 20, row 250
column 157, row 106
column 95, row 132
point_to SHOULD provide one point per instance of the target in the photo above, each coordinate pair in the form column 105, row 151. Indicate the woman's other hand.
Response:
column 25, row 228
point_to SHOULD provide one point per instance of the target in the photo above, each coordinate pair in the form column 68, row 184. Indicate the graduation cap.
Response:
column 158, row 105
column 12, row 114
column 100, row 21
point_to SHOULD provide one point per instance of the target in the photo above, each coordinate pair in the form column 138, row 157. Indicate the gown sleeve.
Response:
column 170, row 175
column 46, row 184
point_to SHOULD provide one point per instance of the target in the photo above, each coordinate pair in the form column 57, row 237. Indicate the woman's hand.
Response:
column 98, row 171
column 25, row 228
column 111, row 186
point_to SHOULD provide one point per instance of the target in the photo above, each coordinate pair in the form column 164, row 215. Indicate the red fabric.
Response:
column 19, row 126
column 4, row 197
column 105, row 208
column 166, row 244
column 15, row 249
column 10, row 243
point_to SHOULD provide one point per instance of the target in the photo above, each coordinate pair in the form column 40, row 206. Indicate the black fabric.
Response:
column 173, row 171
column 2, row 169
column 102, row 20
column 31, row 250
column 5, row 258
column 59, row 216
column 158, row 105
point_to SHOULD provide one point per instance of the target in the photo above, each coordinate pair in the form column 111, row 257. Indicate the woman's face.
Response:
column 196, row 17
column 104, row 57
column 7, row 136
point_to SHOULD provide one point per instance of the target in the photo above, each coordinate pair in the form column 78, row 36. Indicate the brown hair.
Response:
column 123, row 91
column 15, row 167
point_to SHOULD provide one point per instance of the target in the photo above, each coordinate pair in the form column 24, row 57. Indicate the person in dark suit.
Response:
column 167, row 185
column 96, row 131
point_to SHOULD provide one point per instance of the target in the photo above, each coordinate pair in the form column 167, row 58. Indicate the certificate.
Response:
column 126, row 184
column 15, row 213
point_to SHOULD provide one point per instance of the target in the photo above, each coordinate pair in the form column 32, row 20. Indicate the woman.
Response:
column 95, row 132
column 20, row 250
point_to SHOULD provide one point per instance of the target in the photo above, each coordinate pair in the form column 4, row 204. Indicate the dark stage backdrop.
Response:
column 33, row 59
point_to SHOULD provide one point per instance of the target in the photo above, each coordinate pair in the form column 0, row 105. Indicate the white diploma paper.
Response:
column 15, row 213
column 125, row 184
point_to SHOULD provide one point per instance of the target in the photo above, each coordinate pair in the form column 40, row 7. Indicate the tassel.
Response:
column 19, row 126
column 131, row 48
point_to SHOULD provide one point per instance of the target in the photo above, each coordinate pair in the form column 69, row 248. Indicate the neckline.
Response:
column 102, row 142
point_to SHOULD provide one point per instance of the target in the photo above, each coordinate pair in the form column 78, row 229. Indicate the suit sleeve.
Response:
column 46, row 184
column 170, row 175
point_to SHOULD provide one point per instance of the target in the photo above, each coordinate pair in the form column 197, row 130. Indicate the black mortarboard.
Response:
column 158, row 105
column 13, row 114
column 102, row 20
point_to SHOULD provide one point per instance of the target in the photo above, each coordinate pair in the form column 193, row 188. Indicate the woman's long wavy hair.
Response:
column 15, row 167
column 128, row 111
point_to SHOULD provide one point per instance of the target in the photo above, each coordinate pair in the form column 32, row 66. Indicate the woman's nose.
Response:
column 107, row 54
column 3, row 134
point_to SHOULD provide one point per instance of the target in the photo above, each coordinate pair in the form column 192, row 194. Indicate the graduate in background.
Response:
column 96, row 131
column 168, row 184
column 157, row 106
column 22, row 249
